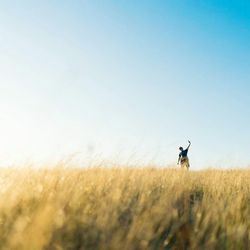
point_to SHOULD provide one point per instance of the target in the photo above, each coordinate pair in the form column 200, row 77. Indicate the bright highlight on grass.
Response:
column 124, row 209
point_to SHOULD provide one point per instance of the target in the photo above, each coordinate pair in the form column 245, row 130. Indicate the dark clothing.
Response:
column 183, row 153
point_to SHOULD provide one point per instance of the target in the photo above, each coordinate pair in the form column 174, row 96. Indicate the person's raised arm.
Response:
column 188, row 145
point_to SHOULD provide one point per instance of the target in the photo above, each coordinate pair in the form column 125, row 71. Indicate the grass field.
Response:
column 124, row 209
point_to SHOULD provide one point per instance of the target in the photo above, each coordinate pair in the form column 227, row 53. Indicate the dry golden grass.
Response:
column 124, row 209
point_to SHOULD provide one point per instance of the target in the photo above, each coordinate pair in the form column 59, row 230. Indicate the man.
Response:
column 183, row 158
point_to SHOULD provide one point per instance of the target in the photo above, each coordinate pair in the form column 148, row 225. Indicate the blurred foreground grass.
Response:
column 124, row 209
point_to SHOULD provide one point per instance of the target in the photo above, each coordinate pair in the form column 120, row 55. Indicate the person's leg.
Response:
column 187, row 164
column 184, row 163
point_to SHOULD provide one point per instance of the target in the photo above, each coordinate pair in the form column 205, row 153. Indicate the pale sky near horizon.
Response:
column 125, row 81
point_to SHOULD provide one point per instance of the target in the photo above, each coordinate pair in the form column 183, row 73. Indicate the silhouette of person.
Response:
column 183, row 158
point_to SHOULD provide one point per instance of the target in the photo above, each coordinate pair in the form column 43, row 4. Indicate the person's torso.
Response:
column 184, row 153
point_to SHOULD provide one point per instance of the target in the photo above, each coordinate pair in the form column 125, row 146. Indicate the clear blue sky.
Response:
column 125, row 81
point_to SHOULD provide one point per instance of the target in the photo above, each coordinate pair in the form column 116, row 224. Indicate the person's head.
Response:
column 181, row 148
